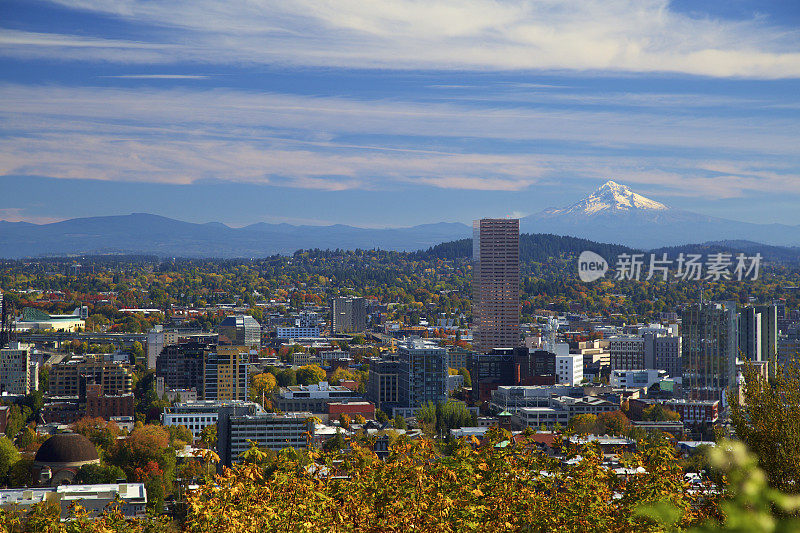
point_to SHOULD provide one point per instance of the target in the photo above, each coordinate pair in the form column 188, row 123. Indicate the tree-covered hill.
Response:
column 535, row 247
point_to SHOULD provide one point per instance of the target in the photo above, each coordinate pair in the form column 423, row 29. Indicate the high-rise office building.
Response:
column 710, row 348
column 240, row 330
column 489, row 371
column 627, row 352
column 70, row 377
column 495, row 283
column 157, row 339
column 769, row 331
column 226, row 373
column 382, row 388
column 237, row 433
column 789, row 346
column 16, row 369
column 667, row 353
column 181, row 365
column 750, row 334
column 422, row 373
column 569, row 369
column 349, row 315
column 5, row 323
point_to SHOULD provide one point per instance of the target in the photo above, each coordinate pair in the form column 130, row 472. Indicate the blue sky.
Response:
column 395, row 113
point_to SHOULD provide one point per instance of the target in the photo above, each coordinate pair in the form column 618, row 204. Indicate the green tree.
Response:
column 93, row 474
column 20, row 474
column 768, row 422
column 467, row 379
column 137, row 351
column 399, row 422
column 8, row 456
column 334, row 443
column 208, row 436
column 44, row 379
column 286, row 377
column 381, row 417
column 441, row 418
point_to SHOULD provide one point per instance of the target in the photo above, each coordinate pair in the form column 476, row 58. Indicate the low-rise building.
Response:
column 297, row 332
column 35, row 319
column 266, row 430
column 333, row 355
column 304, row 359
column 636, row 379
column 197, row 415
column 514, row 397
column 559, row 410
column 107, row 406
column 129, row 498
column 352, row 409
column 695, row 411
column 314, row 398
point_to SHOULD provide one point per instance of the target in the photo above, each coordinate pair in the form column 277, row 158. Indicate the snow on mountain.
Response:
column 615, row 214
column 611, row 196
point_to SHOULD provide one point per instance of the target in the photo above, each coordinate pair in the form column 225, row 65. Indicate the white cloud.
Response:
column 578, row 35
column 312, row 120
column 18, row 214
column 186, row 135
column 33, row 45
column 159, row 76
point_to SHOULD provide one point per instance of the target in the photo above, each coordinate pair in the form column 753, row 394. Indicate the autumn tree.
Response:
column 261, row 386
column 613, row 423
column 310, row 375
column 101, row 432
column 767, row 420
column 658, row 413
column 583, row 424
column 416, row 488
column 146, row 454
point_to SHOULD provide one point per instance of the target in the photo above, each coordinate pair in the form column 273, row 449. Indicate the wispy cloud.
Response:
column 160, row 76
column 576, row 35
column 37, row 45
column 19, row 214
column 307, row 118
column 187, row 135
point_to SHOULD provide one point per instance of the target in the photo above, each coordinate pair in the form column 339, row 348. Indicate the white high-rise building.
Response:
column 569, row 369
column 155, row 343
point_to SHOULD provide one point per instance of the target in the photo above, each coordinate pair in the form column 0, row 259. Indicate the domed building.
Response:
column 59, row 458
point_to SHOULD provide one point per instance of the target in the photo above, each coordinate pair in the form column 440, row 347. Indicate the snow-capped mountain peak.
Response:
column 614, row 197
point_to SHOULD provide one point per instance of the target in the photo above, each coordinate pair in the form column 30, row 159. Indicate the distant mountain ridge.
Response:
column 142, row 233
column 611, row 214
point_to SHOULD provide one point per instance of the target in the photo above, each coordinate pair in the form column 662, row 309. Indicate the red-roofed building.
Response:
column 365, row 409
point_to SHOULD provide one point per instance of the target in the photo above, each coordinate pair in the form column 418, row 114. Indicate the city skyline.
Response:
column 374, row 117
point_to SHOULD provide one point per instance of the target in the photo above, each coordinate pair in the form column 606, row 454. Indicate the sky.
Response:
column 385, row 114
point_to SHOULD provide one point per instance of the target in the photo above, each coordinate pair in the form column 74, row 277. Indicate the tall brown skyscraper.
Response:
column 495, row 283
